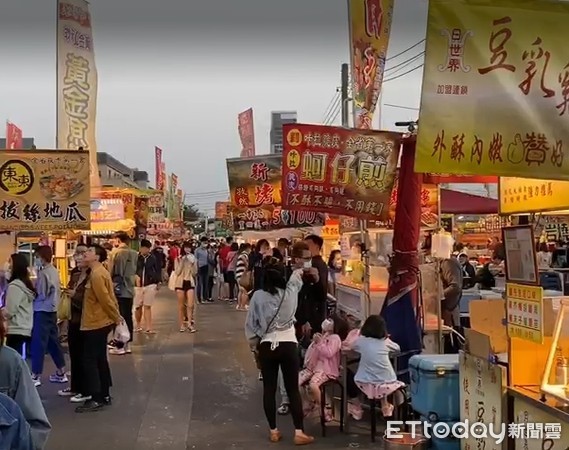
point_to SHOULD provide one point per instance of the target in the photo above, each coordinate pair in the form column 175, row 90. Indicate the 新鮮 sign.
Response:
column 525, row 312
column 495, row 98
column 44, row 190
column 255, row 190
column 338, row 170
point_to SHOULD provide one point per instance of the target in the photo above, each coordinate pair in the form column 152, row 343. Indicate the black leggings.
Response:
column 17, row 342
column 287, row 358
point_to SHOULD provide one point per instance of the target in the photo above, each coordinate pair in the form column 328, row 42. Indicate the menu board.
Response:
column 519, row 248
column 525, row 312
column 482, row 399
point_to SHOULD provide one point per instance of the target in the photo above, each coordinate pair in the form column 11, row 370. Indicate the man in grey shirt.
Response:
column 122, row 268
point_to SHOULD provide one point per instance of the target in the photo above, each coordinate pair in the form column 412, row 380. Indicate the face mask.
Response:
column 7, row 270
column 327, row 325
column 204, row 245
column 187, row 251
column 38, row 263
column 307, row 265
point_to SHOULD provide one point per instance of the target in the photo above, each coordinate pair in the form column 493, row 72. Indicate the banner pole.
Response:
column 56, row 73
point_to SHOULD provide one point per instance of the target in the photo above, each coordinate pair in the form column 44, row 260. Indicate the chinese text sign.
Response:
column 482, row 398
column 370, row 26
column 44, row 190
column 525, row 312
column 495, row 98
column 14, row 137
column 247, row 133
column 338, row 170
column 77, row 82
column 525, row 195
column 255, row 190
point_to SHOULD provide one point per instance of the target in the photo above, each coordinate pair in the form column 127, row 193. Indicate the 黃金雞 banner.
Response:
column 370, row 26
column 44, row 190
column 495, row 98
column 338, row 170
column 255, row 189
column 77, row 82
column 246, row 129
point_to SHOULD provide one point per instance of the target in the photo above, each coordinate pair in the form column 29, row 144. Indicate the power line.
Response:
column 405, row 51
column 400, row 107
column 406, row 62
column 333, row 113
column 403, row 74
column 330, row 105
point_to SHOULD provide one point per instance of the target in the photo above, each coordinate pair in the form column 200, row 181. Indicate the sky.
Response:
column 176, row 73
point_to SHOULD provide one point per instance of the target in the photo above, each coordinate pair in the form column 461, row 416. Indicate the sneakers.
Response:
column 117, row 351
column 90, row 406
column 303, row 439
column 66, row 393
column 58, row 378
column 37, row 380
column 284, row 409
column 192, row 329
column 355, row 411
column 79, row 398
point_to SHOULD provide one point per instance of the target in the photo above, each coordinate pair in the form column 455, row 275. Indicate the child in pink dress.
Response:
column 322, row 360
column 375, row 376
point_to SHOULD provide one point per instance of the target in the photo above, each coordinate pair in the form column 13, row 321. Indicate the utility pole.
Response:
column 344, row 92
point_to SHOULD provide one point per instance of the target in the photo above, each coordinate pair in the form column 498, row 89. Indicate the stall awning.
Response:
column 454, row 202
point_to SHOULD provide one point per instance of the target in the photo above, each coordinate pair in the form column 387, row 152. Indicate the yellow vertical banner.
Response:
column 77, row 83
column 370, row 26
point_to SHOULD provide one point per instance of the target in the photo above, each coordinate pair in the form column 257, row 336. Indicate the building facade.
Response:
column 27, row 143
column 114, row 173
column 278, row 119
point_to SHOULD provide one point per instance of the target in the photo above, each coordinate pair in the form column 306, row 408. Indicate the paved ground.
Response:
column 179, row 391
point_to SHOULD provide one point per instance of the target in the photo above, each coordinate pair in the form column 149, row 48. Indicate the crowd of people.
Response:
column 294, row 332
column 297, row 339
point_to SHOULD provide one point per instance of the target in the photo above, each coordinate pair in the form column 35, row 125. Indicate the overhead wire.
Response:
column 333, row 101
column 333, row 113
column 404, row 73
column 406, row 50
column 405, row 63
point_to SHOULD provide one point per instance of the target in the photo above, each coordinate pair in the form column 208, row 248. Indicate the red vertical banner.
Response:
column 163, row 171
column 158, row 168
column 14, row 138
column 247, row 133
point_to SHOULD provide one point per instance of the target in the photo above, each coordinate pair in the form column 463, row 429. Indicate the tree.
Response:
column 192, row 213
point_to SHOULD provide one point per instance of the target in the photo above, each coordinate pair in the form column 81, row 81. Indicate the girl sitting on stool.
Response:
column 322, row 360
column 375, row 376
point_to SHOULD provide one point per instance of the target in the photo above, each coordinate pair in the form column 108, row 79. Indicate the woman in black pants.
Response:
column 270, row 329
column 76, row 291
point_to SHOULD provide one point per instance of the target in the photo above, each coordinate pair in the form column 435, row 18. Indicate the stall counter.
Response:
column 528, row 408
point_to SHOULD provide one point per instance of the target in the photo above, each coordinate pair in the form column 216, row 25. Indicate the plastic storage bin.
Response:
column 434, row 387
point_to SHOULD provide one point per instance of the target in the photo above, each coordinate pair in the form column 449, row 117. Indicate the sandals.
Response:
column 284, row 409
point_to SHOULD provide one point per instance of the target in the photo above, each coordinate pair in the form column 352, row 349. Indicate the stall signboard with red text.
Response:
column 495, row 96
column 256, row 201
column 338, row 170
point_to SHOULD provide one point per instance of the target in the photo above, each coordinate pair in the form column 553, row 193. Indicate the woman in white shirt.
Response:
column 185, row 270
column 544, row 257
column 270, row 321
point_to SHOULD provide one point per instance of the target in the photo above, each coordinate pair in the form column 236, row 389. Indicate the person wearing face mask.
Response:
column 256, row 262
column 185, row 269
column 19, row 310
column 45, row 333
column 76, row 290
column 322, row 360
column 202, row 258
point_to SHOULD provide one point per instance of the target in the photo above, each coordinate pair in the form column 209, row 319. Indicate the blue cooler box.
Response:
column 434, row 387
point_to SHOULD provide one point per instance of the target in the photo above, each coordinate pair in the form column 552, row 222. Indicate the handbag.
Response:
column 246, row 280
column 255, row 342
column 64, row 307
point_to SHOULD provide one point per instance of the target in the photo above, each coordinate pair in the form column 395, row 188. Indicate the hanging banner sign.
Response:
column 526, row 195
column 339, row 170
column 495, row 97
column 255, row 189
column 370, row 27
column 44, row 190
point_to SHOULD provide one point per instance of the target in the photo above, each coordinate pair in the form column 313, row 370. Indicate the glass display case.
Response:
column 350, row 293
column 555, row 381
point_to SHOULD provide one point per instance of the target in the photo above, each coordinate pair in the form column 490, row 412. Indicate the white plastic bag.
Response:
column 121, row 333
column 172, row 281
